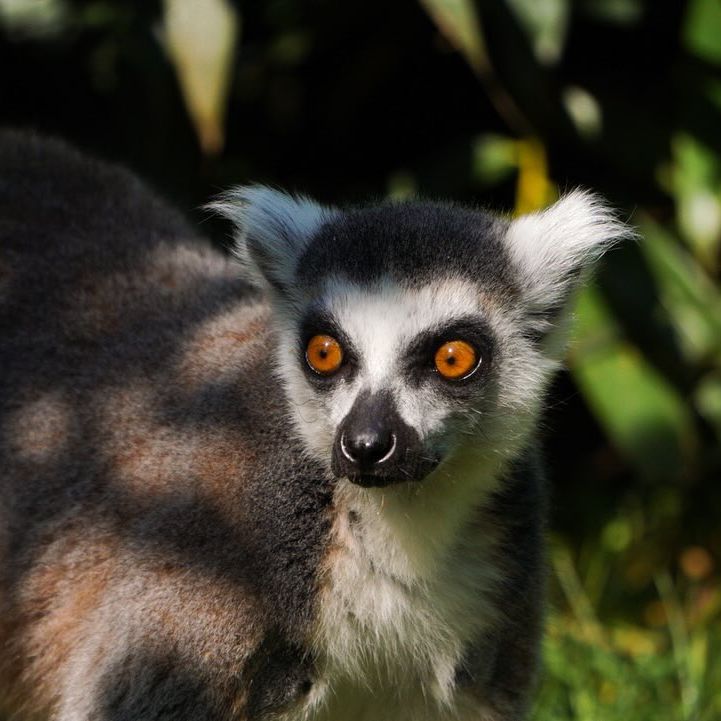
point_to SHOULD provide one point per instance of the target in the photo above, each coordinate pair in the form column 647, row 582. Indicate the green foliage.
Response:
column 644, row 415
column 613, row 670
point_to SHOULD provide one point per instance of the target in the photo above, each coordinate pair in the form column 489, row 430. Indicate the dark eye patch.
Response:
column 420, row 353
column 320, row 322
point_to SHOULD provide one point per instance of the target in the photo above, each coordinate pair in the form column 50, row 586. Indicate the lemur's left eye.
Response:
column 324, row 354
column 456, row 360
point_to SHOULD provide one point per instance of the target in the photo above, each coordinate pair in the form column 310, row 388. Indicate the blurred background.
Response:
column 502, row 103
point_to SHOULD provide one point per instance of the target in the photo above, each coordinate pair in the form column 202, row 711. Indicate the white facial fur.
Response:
column 381, row 322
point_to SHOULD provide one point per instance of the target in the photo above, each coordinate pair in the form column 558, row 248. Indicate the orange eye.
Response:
column 324, row 354
column 456, row 359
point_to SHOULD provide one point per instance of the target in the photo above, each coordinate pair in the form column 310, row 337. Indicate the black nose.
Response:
column 368, row 447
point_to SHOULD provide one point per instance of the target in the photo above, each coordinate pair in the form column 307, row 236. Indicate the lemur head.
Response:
column 409, row 330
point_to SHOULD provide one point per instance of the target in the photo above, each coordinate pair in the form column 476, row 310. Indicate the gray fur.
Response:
column 148, row 525
column 173, row 542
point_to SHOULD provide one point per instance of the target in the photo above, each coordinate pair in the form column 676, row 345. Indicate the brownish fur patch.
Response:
column 40, row 428
column 220, row 348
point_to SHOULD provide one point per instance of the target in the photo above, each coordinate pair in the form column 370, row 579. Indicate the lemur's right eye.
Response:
column 324, row 354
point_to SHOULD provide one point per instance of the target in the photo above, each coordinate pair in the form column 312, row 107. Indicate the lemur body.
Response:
column 196, row 524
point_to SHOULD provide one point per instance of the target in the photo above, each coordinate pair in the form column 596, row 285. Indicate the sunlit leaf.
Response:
column 643, row 415
column 200, row 39
column 584, row 110
column 458, row 21
column 689, row 295
column 696, row 178
column 495, row 157
column 545, row 22
column 702, row 29
column 618, row 534
column 34, row 18
column 534, row 190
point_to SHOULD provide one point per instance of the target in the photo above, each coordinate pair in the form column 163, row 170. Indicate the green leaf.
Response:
column 644, row 416
column 495, row 157
column 696, row 181
column 459, row 23
column 545, row 23
column 702, row 29
column 689, row 295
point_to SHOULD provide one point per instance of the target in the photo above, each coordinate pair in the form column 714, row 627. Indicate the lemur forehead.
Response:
column 413, row 243
column 387, row 307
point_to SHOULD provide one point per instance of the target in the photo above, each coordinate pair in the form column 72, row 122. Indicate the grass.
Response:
column 662, row 665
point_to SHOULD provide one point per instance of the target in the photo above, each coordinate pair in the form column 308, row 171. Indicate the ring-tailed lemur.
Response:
column 304, row 488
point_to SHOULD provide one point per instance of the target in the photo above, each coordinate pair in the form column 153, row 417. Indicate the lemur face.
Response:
column 395, row 374
column 408, row 331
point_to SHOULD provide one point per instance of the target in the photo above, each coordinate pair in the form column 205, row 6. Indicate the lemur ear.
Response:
column 272, row 231
column 552, row 249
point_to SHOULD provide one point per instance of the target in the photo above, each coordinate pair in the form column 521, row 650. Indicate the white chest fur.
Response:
column 406, row 589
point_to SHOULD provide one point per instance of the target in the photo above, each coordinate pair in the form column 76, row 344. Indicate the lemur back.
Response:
column 183, row 531
column 158, row 552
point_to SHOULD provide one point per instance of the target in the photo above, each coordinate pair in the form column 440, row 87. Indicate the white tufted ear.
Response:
column 272, row 230
column 551, row 249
